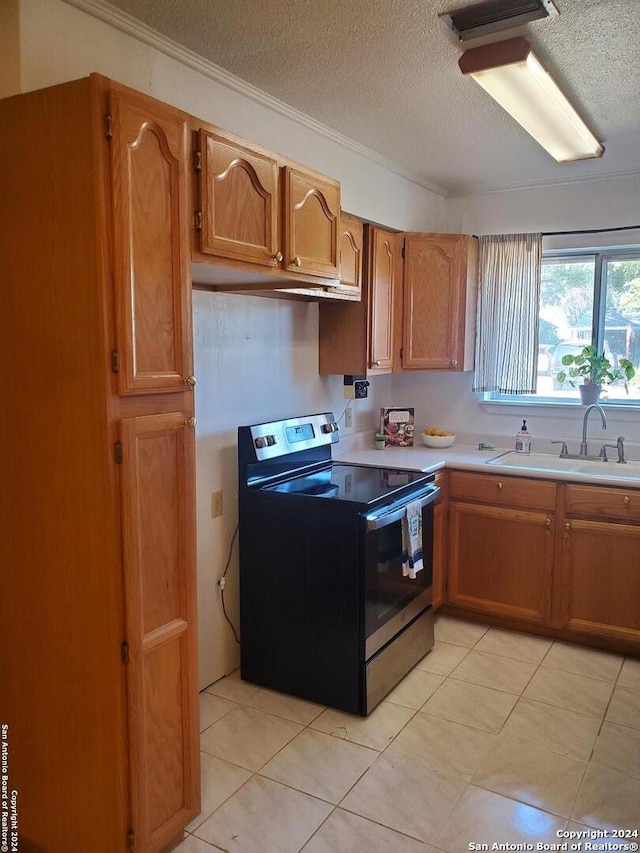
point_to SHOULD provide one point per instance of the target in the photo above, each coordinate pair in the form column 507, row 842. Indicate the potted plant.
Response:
column 594, row 370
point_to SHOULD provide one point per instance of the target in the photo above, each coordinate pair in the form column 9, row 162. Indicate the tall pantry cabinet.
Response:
column 98, row 681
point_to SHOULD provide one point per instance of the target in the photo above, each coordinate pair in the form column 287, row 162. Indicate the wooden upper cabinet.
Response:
column 350, row 249
column 440, row 281
column 382, row 271
column 150, row 238
column 360, row 337
column 311, row 223
column 239, row 199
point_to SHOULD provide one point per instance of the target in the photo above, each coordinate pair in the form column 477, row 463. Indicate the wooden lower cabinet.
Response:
column 500, row 561
column 599, row 572
column 600, row 579
column 440, row 544
column 501, row 545
column 561, row 559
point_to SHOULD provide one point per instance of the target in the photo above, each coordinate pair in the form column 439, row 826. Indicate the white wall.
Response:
column 603, row 203
column 255, row 358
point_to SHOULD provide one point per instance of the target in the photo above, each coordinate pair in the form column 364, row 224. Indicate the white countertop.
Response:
column 468, row 457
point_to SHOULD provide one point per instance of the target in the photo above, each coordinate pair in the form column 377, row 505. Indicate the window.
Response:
column 587, row 297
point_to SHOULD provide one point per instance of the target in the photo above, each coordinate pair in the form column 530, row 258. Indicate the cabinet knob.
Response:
column 190, row 422
column 376, row 364
column 547, row 524
column 190, row 381
column 627, row 500
column 454, row 362
column 567, row 529
column 297, row 262
column 278, row 256
column 499, row 485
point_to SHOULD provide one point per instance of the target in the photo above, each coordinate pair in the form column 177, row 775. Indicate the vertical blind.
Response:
column 508, row 308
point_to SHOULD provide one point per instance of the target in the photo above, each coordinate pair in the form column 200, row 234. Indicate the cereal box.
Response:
column 397, row 425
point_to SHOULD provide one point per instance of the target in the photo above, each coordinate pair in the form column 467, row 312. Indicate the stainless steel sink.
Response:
column 551, row 462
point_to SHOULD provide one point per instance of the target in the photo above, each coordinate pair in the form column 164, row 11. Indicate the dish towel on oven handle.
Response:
column 411, row 526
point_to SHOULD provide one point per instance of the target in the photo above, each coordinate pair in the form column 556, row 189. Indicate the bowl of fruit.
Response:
column 436, row 437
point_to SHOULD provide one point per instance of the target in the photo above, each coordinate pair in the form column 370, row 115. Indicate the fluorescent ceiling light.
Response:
column 512, row 74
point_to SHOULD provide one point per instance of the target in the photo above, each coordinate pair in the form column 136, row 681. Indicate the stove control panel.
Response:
column 281, row 437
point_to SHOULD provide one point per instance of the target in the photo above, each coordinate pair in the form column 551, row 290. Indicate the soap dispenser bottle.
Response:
column 523, row 439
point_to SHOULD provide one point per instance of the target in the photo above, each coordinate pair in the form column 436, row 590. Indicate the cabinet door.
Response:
column 151, row 249
column 239, row 199
column 158, row 508
column 600, row 586
column 311, row 220
column 434, row 302
column 350, row 248
column 500, row 561
column 382, row 271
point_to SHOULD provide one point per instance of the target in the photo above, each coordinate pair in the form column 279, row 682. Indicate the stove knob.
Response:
column 260, row 442
column 327, row 427
column 271, row 440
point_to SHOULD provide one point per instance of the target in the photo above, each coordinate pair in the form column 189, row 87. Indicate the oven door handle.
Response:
column 375, row 522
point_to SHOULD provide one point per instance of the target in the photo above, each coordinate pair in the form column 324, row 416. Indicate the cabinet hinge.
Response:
column 131, row 839
column 117, row 452
column 403, row 250
column 198, row 220
column 108, row 127
column 124, row 652
column 115, row 361
column 401, row 352
column 197, row 161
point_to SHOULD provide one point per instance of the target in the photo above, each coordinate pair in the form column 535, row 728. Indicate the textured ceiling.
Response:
column 385, row 73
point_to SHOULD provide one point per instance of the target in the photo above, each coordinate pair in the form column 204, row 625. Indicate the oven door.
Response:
column 392, row 600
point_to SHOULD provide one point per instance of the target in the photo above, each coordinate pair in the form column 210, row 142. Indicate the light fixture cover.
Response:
column 512, row 74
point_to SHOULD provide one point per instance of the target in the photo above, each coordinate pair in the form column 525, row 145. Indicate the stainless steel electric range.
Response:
column 326, row 612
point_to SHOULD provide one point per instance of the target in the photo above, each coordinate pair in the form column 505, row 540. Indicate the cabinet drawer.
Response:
column 503, row 491
column 616, row 504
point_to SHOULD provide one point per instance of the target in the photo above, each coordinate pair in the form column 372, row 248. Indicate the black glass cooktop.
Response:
column 354, row 483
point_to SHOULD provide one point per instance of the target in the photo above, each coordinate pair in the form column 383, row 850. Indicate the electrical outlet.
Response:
column 348, row 417
column 216, row 504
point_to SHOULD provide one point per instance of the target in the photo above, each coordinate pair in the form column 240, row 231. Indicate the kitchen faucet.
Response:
column 583, row 444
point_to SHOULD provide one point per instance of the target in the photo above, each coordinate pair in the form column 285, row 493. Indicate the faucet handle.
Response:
column 563, row 450
column 603, row 451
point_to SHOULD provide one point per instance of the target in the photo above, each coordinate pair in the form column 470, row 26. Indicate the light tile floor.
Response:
column 495, row 736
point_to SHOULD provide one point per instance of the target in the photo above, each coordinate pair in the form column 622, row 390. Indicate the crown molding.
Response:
column 109, row 14
column 545, row 184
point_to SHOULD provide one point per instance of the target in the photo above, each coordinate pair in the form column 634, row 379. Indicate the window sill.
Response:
column 549, row 408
